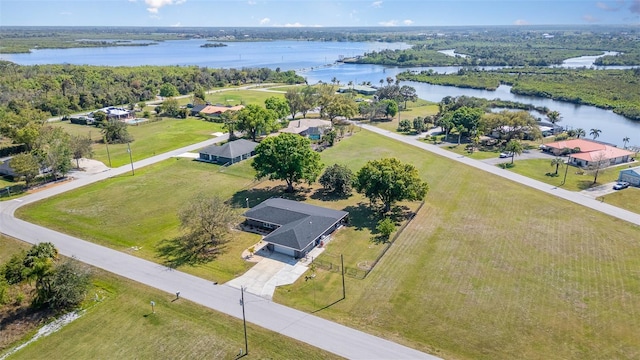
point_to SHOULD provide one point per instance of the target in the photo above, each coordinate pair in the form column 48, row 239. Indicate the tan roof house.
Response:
column 586, row 152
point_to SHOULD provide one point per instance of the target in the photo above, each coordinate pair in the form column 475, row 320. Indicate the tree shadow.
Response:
column 176, row 252
column 324, row 195
column 362, row 216
column 253, row 197
column 586, row 184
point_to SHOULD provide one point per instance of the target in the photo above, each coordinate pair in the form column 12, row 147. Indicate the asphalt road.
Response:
column 310, row 329
column 575, row 197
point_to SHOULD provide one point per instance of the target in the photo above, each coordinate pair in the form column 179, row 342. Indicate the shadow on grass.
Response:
column 327, row 306
column 255, row 196
column 323, row 195
column 361, row 217
column 180, row 251
column 587, row 184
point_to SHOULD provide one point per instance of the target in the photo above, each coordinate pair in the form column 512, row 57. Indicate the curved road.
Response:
column 310, row 329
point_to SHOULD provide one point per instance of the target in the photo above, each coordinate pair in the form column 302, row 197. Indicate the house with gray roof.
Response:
column 294, row 228
column 630, row 175
column 229, row 153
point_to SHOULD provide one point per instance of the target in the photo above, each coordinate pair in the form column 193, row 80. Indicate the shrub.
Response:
column 386, row 227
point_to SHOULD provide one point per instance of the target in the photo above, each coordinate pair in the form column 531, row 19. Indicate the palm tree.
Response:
column 460, row 129
column 556, row 162
column 554, row 117
column 580, row 132
column 514, row 148
column 595, row 133
column 625, row 141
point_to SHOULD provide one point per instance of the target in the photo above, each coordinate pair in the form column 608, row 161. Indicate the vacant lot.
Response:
column 490, row 269
column 237, row 97
column 149, row 138
column 120, row 325
column 627, row 199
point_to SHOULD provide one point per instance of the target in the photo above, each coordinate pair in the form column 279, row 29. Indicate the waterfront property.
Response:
column 229, row 153
column 630, row 175
column 583, row 152
column 311, row 128
column 116, row 113
column 294, row 228
column 360, row 89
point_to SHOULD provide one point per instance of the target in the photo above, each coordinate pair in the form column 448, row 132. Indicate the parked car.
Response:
column 620, row 185
column 504, row 155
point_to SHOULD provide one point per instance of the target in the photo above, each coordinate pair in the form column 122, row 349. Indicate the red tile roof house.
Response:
column 588, row 151
column 215, row 110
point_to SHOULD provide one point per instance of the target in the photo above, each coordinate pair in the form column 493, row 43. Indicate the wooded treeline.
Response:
column 64, row 89
column 615, row 90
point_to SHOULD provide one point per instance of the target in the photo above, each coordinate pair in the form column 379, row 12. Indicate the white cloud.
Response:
column 376, row 4
column 388, row 23
column 178, row 24
column 154, row 5
column 590, row 19
column 265, row 21
column 250, row 2
column 295, row 24
column 521, row 22
column 408, row 22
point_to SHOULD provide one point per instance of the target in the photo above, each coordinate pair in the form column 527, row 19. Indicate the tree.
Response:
column 206, row 223
column 81, row 148
column 386, row 227
column 26, row 167
column 598, row 163
column 171, row 107
column 404, row 125
column 287, row 157
column 279, row 105
column 554, row 117
column 325, row 95
column 625, row 141
column 557, row 161
column 408, row 93
column 390, row 107
column 309, row 100
column 115, row 132
column 595, row 133
column 389, row 180
column 580, row 132
column 199, row 95
column 168, row 90
column 514, row 148
column 230, row 121
column 294, row 99
column 63, row 288
column 341, row 106
column 460, row 129
column 337, row 179
column 418, row 125
column 53, row 149
column 255, row 119
column 330, row 137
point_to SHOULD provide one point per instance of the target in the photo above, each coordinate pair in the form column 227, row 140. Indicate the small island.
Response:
column 213, row 45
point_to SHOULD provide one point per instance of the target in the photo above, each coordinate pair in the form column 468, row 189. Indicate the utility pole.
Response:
column 130, row 158
column 565, row 173
column 344, row 291
column 107, row 145
column 244, row 322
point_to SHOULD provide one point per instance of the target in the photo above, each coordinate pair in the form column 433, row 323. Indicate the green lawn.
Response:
column 577, row 180
column 461, row 149
column 237, row 97
column 121, row 326
column 628, row 199
column 488, row 269
column 420, row 108
column 135, row 213
column 149, row 138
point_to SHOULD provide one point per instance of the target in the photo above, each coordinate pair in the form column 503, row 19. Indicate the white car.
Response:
column 620, row 185
column 504, row 155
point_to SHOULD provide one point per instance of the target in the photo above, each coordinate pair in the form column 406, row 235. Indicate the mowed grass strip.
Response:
column 236, row 97
column 149, row 138
column 627, row 199
column 121, row 326
column 135, row 213
column 488, row 269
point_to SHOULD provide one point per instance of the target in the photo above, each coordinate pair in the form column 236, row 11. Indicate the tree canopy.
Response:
column 388, row 180
column 255, row 119
column 337, row 179
column 287, row 157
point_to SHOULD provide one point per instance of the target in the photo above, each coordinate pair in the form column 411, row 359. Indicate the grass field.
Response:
column 576, row 180
column 138, row 212
column 149, row 138
column 461, row 149
column 237, row 97
column 487, row 269
column 420, row 107
column 627, row 199
column 121, row 326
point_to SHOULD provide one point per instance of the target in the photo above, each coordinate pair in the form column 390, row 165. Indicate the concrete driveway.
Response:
column 271, row 271
column 530, row 154
column 598, row 191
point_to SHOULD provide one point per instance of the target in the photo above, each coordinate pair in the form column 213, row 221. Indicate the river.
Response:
column 315, row 61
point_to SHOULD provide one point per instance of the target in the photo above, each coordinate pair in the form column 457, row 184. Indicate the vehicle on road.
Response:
column 504, row 155
column 620, row 185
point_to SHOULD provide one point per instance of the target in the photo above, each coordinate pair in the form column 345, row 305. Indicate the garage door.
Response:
column 284, row 250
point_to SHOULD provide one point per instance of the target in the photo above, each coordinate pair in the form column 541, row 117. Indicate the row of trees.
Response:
column 58, row 284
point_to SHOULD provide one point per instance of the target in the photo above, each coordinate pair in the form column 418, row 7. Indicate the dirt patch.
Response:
column 19, row 319
column 365, row 265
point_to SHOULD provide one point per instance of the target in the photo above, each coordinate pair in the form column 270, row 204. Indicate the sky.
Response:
column 315, row 13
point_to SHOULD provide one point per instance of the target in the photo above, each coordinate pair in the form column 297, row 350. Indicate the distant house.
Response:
column 294, row 228
column 116, row 113
column 6, row 170
column 631, row 175
column 217, row 110
column 196, row 109
column 311, row 128
column 585, row 152
column 229, row 153
column 360, row 89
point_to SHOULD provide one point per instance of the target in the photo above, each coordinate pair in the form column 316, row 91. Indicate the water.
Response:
column 316, row 62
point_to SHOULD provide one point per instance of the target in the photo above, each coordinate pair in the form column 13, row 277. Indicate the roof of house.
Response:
column 299, row 126
column 198, row 108
column 584, row 145
column 634, row 171
column 300, row 223
column 609, row 152
column 231, row 149
column 215, row 109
